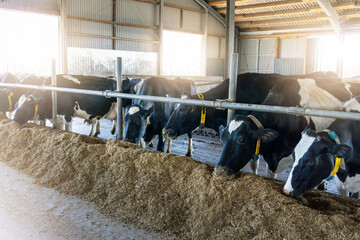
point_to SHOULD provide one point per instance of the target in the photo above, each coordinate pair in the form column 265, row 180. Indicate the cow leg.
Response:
column 161, row 143
column 113, row 130
column 97, row 127
column 322, row 186
column 269, row 173
column 68, row 126
column 168, row 149
column 190, row 149
column 254, row 165
column 142, row 143
column 340, row 187
column 91, row 134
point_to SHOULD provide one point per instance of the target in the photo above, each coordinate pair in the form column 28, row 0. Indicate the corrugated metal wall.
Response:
column 258, row 55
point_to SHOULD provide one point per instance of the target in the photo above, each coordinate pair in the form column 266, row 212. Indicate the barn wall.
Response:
column 258, row 55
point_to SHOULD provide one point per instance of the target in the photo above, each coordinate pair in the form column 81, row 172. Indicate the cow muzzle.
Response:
column 222, row 171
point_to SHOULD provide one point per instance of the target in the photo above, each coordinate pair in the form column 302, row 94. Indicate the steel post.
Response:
column 54, row 93
column 232, row 84
column 119, row 122
column 230, row 34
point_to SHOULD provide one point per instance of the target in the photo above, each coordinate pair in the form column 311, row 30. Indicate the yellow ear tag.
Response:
column 336, row 167
column 10, row 102
column 257, row 150
column 36, row 110
column 203, row 115
column 147, row 121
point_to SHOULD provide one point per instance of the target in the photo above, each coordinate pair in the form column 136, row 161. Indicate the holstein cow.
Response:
column 128, row 86
column 278, row 134
column 251, row 88
column 332, row 152
column 145, row 119
column 38, row 104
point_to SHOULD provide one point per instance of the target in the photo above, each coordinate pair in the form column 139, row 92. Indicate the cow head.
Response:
column 314, row 156
column 239, row 139
column 26, row 109
column 128, row 86
column 184, row 119
column 135, row 123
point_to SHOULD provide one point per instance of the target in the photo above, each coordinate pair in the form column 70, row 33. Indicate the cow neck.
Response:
column 339, row 162
column 260, row 127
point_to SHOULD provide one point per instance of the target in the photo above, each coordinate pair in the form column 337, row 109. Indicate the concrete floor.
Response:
column 207, row 150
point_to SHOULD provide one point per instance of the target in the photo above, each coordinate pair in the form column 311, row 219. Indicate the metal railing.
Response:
column 220, row 104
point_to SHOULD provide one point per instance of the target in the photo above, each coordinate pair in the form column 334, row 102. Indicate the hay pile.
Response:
column 173, row 194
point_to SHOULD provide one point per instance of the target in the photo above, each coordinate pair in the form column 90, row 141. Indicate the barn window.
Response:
column 28, row 42
column 182, row 54
column 351, row 55
column 327, row 53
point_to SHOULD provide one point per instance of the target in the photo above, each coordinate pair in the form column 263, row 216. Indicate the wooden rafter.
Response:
column 304, row 26
column 312, row 9
column 217, row 3
column 268, row 5
column 320, row 17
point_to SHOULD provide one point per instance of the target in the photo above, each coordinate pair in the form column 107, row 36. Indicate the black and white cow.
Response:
column 251, row 88
column 317, row 152
column 145, row 119
column 280, row 132
column 130, row 86
column 38, row 104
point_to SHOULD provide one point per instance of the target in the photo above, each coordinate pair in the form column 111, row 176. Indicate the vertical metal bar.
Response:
column 161, row 27
column 340, row 60
column 232, row 84
column 114, row 26
column 63, row 37
column 204, row 57
column 230, row 34
column 119, row 122
column 54, row 93
column 304, row 54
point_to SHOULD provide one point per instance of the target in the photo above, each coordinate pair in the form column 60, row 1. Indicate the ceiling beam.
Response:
column 304, row 26
column 268, row 5
column 320, row 17
column 312, row 9
column 334, row 17
column 217, row 3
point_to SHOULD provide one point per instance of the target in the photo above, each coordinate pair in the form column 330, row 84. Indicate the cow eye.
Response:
column 309, row 162
column 241, row 140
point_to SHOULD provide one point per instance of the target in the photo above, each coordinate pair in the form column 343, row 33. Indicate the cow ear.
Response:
column 125, row 84
column 223, row 133
column 341, row 150
column 267, row 135
column 148, row 112
column 133, row 82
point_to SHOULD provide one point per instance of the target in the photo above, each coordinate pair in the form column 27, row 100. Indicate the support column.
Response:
column 114, row 26
column 63, row 37
column 230, row 34
column 119, row 122
column 54, row 93
column 340, row 60
column 232, row 84
column 161, row 27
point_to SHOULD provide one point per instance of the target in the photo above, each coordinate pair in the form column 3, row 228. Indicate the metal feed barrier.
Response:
column 221, row 104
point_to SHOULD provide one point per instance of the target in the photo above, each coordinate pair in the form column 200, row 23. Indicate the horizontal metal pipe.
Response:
column 204, row 103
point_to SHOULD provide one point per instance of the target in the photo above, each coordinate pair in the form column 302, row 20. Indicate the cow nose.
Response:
column 286, row 192
column 222, row 171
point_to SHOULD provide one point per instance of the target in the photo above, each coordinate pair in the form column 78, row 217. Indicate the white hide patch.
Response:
column 233, row 125
column 71, row 78
column 112, row 114
column 352, row 105
column 313, row 96
column 300, row 149
column 133, row 110
column 80, row 113
column 352, row 184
